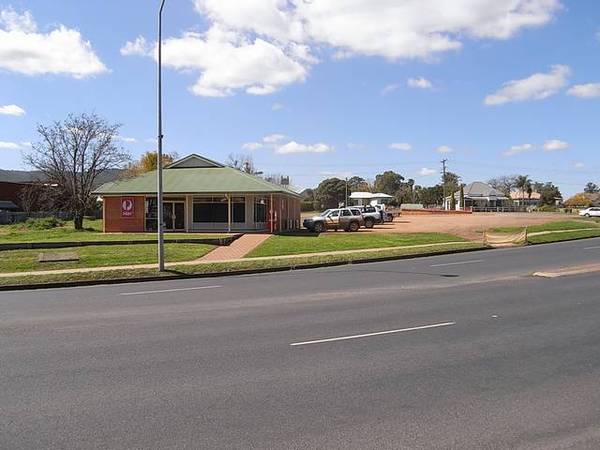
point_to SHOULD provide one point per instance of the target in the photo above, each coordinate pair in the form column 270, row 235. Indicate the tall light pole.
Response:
column 159, row 183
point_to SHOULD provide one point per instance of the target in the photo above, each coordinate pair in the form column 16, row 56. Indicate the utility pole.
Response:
column 159, row 180
column 444, row 161
column 346, row 202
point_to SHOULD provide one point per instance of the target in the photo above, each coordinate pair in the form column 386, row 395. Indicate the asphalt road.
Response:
column 457, row 351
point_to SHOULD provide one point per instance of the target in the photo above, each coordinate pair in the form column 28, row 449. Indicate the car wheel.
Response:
column 354, row 226
column 319, row 228
column 369, row 223
column 587, row 215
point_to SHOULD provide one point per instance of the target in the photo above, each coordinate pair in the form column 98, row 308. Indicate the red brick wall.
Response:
column 11, row 192
column 115, row 223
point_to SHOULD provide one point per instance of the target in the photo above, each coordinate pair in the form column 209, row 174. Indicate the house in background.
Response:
column 12, row 184
column 199, row 195
column 532, row 200
column 370, row 198
column 480, row 197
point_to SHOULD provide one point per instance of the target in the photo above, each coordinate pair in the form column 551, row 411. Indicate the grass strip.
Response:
column 299, row 243
column 552, row 226
column 233, row 267
column 99, row 256
column 559, row 237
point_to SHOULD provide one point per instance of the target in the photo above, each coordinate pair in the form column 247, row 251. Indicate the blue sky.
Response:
column 315, row 89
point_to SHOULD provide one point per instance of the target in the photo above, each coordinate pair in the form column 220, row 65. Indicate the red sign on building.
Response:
column 127, row 207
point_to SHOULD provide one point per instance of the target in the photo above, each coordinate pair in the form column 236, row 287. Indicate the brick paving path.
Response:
column 237, row 249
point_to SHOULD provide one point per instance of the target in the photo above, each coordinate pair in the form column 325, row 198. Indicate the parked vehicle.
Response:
column 370, row 214
column 387, row 216
column 347, row 219
column 590, row 212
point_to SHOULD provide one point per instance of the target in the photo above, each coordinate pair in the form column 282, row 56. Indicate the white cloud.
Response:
column 400, row 146
column 12, row 110
column 63, row 50
column 273, row 138
column 4, row 145
column 518, row 149
column 553, row 145
column 252, row 146
column 419, row 83
column 276, row 48
column 127, row 140
column 138, row 47
column 579, row 165
column 444, row 149
column 228, row 61
column 536, row 87
column 425, row 172
column 388, row 89
column 589, row 90
column 277, row 106
column 295, row 147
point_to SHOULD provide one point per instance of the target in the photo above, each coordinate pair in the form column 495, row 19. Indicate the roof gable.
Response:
column 193, row 161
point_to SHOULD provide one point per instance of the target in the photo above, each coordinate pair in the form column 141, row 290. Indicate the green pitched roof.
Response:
column 195, row 180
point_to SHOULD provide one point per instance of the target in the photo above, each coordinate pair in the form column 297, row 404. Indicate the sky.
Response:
column 319, row 88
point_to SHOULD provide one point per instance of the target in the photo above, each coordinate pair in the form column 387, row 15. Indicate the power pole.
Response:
column 444, row 161
column 346, row 201
column 159, row 181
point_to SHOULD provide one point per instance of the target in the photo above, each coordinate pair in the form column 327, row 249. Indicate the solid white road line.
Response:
column 473, row 261
column 170, row 290
column 592, row 248
column 377, row 333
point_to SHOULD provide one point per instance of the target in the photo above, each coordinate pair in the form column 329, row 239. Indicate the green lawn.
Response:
column 558, row 237
column 100, row 255
column 250, row 264
column 334, row 241
column 18, row 233
column 553, row 226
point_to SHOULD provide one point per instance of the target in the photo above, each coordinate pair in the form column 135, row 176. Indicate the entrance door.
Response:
column 174, row 215
column 179, row 213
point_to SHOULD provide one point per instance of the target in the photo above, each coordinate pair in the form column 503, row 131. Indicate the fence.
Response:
column 503, row 209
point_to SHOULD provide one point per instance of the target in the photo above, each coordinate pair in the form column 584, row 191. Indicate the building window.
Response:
column 214, row 209
column 151, row 214
column 238, row 209
column 260, row 210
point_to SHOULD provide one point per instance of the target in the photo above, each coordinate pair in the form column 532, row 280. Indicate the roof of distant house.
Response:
column 32, row 176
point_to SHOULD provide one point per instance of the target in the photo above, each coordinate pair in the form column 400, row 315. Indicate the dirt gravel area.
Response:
column 469, row 226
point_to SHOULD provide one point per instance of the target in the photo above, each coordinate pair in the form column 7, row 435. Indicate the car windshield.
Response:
column 324, row 213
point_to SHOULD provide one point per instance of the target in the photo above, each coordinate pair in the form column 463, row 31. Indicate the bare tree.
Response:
column 241, row 161
column 71, row 154
column 37, row 196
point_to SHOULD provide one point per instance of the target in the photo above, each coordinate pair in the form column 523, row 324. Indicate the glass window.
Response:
column 238, row 209
column 334, row 214
column 346, row 213
column 356, row 212
column 260, row 210
column 151, row 214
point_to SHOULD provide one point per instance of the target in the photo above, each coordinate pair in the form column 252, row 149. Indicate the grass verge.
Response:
column 98, row 255
column 299, row 243
column 232, row 268
column 19, row 233
column 559, row 237
column 552, row 226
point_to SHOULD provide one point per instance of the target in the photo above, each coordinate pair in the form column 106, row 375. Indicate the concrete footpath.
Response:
column 202, row 260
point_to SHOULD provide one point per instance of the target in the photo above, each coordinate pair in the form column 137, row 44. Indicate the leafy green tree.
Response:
column 330, row 193
column 549, row 193
column 524, row 184
column 356, row 183
column 388, row 182
column 429, row 196
column 462, row 197
column 580, row 200
column 591, row 188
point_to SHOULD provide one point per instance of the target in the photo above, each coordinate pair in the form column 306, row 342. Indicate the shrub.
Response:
column 44, row 223
column 547, row 208
column 306, row 206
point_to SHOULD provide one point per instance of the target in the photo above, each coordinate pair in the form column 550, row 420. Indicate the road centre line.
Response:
column 170, row 290
column 377, row 333
column 473, row 261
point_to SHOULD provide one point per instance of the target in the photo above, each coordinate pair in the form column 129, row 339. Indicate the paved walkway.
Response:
column 237, row 249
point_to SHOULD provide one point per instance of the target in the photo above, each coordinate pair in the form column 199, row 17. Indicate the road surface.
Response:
column 457, row 351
